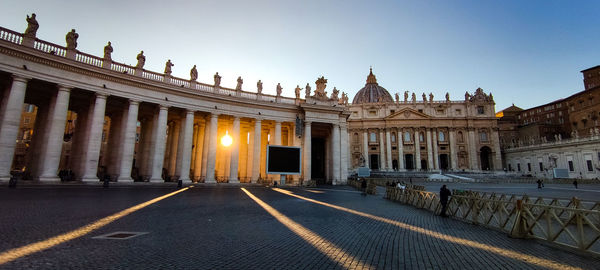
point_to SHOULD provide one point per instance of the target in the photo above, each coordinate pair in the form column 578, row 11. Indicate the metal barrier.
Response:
column 569, row 223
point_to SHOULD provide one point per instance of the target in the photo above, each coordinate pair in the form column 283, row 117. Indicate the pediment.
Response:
column 407, row 114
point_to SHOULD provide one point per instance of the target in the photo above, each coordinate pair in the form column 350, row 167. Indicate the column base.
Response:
column 125, row 180
column 210, row 181
column 234, row 181
column 186, row 180
column 90, row 179
column 47, row 178
column 156, row 180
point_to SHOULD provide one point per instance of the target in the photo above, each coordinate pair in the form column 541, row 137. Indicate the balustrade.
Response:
column 11, row 36
column 88, row 59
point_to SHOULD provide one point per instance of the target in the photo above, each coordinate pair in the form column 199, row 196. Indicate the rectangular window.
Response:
column 372, row 113
column 480, row 110
column 519, row 167
column 571, row 167
column 529, row 167
column 589, row 165
column 541, row 167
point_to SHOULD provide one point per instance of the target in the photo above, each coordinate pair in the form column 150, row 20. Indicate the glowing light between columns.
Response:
column 226, row 140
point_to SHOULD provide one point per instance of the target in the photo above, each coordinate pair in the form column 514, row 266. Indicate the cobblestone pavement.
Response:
column 217, row 227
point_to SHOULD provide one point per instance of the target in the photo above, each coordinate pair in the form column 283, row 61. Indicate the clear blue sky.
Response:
column 524, row 52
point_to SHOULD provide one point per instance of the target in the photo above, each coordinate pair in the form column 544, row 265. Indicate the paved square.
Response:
column 222, row 227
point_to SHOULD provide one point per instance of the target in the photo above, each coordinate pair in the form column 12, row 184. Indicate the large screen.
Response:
column 283, row 159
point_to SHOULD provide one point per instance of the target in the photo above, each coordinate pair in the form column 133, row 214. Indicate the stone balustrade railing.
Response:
column 568, row 223
column 88, row 59
column 537, row 143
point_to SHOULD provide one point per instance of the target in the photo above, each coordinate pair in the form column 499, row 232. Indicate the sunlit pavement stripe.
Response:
column 16, row 253
column 329, row 249
column 500, row 251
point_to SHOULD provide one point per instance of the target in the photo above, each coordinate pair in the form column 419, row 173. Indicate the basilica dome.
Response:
column 372, row 92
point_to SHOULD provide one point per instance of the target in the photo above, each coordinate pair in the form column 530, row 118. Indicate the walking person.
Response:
column 575, row 183
column 539, row 182
column 363, row 187
column 444, row 194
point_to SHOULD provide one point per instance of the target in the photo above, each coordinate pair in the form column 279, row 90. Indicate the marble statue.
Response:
column 405, row 96
column 193, row 73
column 307, row 91
column 447, row 96
column 238, row 87
column 414, row 97
column 279, row 89
column 71, row 39
column 467, row 96
column 334, row 94
column 297, row 91
column 141, row 60
column 32, row 26
column 259, row 87
column 430, row 97
column 217, row 79
column 344, row 98
column 424, row 97
column 168, row 66
column 108, row 49
column 397, row 97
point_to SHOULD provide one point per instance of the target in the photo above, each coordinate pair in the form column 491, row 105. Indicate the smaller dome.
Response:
column 372, row 92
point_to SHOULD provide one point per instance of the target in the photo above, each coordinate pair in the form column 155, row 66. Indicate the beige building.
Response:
column 92, row 116
column 420, row 133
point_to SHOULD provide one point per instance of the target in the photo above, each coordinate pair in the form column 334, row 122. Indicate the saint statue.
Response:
column 259, row 87
column 71, row 39
column 397, row 98
column 447, row 96
column 279, row 89
column 414, row 97
column 297, row 91
column 405, row 96
column 217, row 79
column 193, row 74
column 430, row 97
column 424, row 97
column 238, row 87
column 307, row 91
column 168, row 66
column 32, row 26
column 467, row 96
column 344, row 98
column 141, row 60
column 334, row 94
column 108, row 49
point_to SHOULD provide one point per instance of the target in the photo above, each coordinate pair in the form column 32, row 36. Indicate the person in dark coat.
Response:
column 363, row 186
column 575, row 183
column 444, row 194
column 539, row 182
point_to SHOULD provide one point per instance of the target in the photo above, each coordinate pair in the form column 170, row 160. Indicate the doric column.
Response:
column 366, row 148
column 382, row 162
column 436, row 157
column 235, row 151
column 344, row 153
column 453, row 156
column 128, row 142
column 205, row 148
column 429, row 148
column 417, row 150
column 184, row 151
column 497, row 154
column 256, row 149
column 307, row 151
column 52, row 148
column 400, row 140
column 159, row 145
column 173, row 138
column 388, row 150
column 472, row 151
column 336, row 153
column 212, row 149
column 277, row 133
column 94, row 140
column 9, row 127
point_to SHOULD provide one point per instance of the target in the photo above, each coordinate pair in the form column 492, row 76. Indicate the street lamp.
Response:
column 226, row 140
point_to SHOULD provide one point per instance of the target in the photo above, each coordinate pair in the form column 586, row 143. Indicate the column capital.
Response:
column 189, row 111
column 20, row 78
column 307, row 123
column 163, row 107
column 64, row 88
column 214, row 115
column 101, row 95
column 134, row 102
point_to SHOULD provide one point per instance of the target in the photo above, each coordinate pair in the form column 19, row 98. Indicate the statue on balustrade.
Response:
column 397, row 97
column 467, row 96
column 334, row 94
column 424, row 97
column 32, row 26
column 307, row 91
column 279, row 89
column 168, row 66
column 430, row 97
column 344, row 98
column 259, row 87
column 217, row 79
column 414, row 98
column 194, row 74
column 297, row 91
column 238, row 87
column 71, row 39
column 108, row 49
column 141, row 60
column 447, row 96
column 405, row 96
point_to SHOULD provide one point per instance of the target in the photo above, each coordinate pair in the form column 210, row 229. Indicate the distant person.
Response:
column 444, row 194
column 363, row 186
column 539, row 182
column 575, row 183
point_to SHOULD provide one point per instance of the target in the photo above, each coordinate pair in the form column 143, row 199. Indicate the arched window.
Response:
column 421, row 137
column 442, row 136
column 407, row 136
column 372, row 137
column 393, row 137
column 460, row 137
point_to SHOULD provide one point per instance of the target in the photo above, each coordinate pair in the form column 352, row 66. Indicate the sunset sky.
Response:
column 524, row 52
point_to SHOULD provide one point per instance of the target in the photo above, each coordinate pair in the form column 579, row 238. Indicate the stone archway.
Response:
column 485, row 155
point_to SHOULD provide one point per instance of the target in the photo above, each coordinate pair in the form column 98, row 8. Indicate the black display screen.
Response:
column 283, row 159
